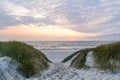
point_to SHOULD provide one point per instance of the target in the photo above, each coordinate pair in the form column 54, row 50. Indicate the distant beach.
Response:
column 56, row 51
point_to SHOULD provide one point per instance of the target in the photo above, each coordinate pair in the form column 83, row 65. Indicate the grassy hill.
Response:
column 105, row 57
column 31, row 61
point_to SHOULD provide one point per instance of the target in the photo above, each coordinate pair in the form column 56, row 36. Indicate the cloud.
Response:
column 13, row 8
column 16, row 12
column 6, row 20
column 87, row 16
column 114, row 37
column 92, row 16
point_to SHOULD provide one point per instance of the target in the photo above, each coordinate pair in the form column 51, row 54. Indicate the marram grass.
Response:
column 70, row 57
column 78, row 58
column 79, row 61
column 105, row 57
column 0, row 46
column 31, row 60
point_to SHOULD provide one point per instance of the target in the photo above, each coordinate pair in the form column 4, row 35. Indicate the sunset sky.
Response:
column 59, row 20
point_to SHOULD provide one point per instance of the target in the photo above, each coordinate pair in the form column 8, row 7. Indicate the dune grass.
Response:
column 31, row 60
column 0, row 46
column 79, row 61
column 70, row 57
column 107, row 56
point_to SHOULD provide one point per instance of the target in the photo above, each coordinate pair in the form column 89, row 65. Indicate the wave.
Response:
column 65, row 45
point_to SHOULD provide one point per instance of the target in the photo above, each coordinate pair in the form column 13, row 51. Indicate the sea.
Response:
column 56, row 51
column 65, row 45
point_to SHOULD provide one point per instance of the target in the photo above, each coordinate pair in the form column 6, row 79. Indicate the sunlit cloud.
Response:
column 33, row 32
column 77, row 19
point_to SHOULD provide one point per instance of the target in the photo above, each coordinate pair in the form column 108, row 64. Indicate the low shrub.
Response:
column 31, row 60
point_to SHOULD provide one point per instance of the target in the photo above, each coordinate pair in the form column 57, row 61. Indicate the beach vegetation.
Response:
column 31, row 61
column 107, row 56
column 79, row 61
column 70, row 57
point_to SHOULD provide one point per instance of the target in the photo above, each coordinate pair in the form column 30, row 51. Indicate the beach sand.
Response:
column 57, row 55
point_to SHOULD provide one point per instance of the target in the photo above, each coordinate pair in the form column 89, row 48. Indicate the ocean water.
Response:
column 65, row 45
column 56, row 51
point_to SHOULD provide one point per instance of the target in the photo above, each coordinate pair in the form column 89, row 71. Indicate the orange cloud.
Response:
column 31, row 32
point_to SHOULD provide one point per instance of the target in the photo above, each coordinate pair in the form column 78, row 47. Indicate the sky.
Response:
column 59, row 20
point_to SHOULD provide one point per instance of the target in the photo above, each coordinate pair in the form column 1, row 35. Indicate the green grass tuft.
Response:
column 107, row 56
column 31, row 60
column 69, row 57
column 0, row 46
column 79, row 61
